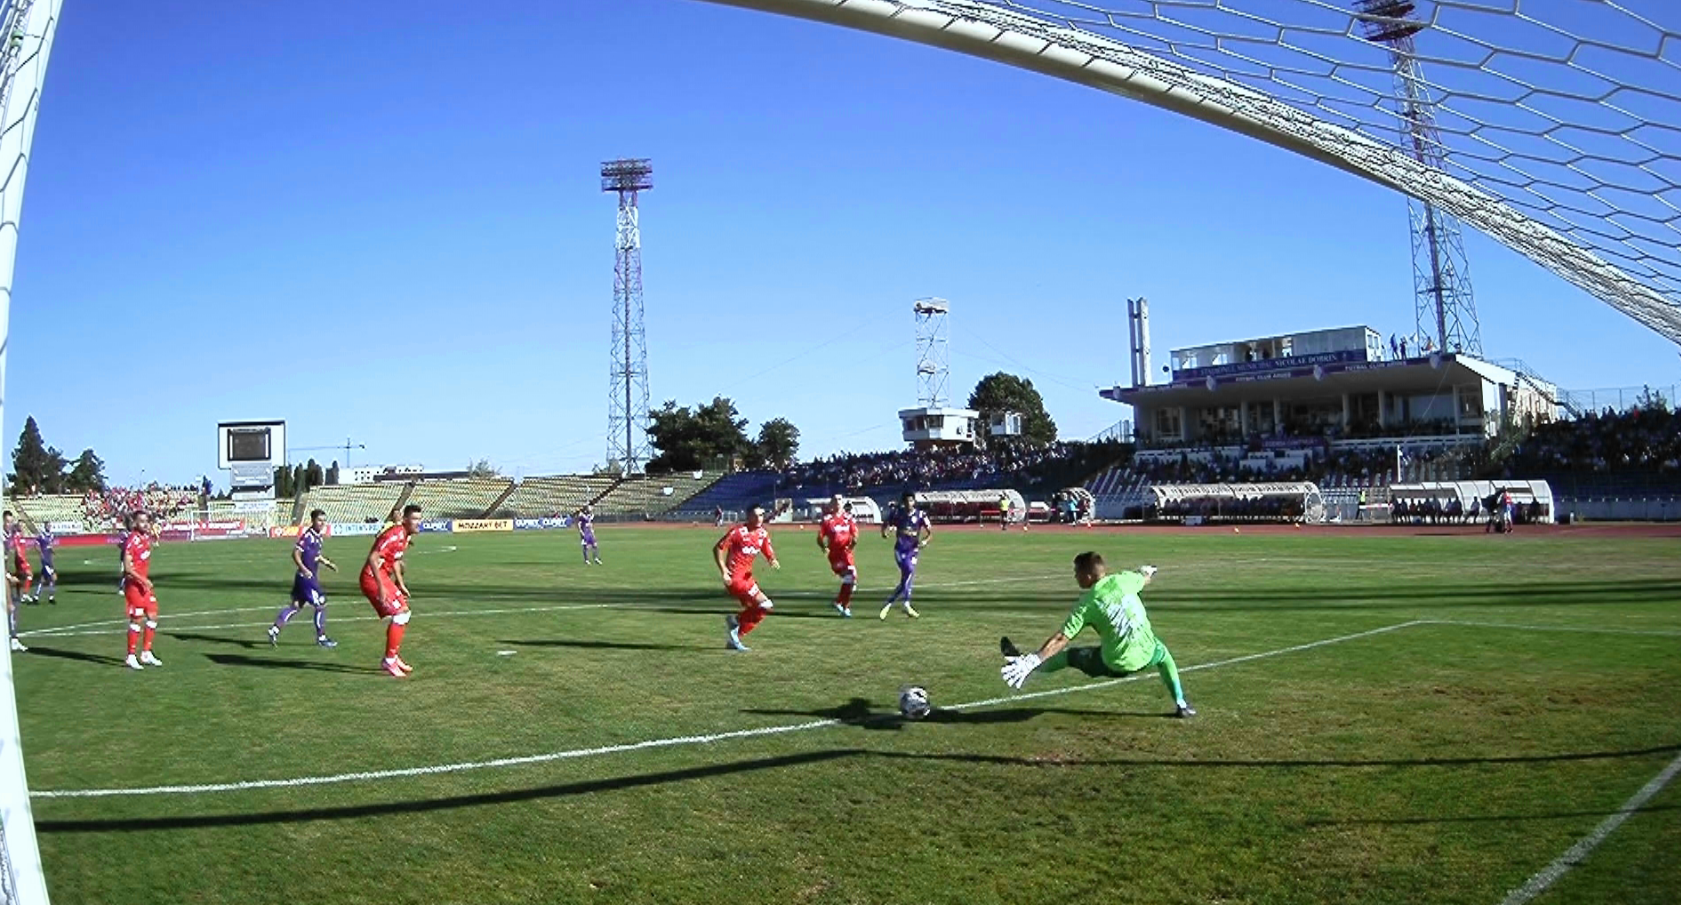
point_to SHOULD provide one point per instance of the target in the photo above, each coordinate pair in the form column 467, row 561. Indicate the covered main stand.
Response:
column 1194, row 504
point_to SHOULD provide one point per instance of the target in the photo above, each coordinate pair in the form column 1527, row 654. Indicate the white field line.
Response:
column 672, row 742
column 1578, row 853
column 1661, row 633
column 501, row 611
column 119, row 626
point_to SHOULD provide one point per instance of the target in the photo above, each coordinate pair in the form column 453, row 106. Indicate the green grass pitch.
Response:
column 1435, row 762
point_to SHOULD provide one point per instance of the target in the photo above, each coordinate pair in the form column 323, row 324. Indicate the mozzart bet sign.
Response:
column 474, row 526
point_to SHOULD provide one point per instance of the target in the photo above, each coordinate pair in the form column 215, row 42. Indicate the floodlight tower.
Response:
column 1443, row 307
column 933, row 351
column 627, row 390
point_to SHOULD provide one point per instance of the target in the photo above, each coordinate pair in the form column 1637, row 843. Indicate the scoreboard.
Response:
column 251, row 451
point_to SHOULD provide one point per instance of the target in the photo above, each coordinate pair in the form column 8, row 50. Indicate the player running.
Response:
column 44, row 541
column 735, row 553
column 306, row 583
column 383, row 585
column 1110, row 605
column 837, row 536
column 139, row 601
column 912, row 531
column 586, row 534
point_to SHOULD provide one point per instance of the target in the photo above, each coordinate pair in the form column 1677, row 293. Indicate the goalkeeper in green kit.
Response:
column 1110, row 605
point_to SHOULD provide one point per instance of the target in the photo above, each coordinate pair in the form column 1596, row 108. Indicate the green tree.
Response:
column 87, row 473
column 690, row 440
column 483, row 469
column 333, row 474
column 999, row 393
column 36, row 467
column 283, row 486
column 778, row 443
column 314, row 476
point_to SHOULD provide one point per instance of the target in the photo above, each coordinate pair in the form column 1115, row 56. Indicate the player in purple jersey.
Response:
column 306, row 584
column 44, row 542
column 586, row 534
column 911, row 532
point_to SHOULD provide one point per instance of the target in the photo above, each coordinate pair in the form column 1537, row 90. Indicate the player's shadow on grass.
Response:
column 218, row 639
column 352, row 812
column 311, row 665
column 57, row 654
column 859, row 712
column 604, row 645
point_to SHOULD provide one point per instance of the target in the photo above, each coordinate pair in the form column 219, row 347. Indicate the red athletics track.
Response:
column 1592, row 529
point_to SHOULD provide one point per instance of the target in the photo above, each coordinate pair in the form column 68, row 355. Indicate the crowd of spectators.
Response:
column 1639, row 440
column 106, row 508
column 1002, row 465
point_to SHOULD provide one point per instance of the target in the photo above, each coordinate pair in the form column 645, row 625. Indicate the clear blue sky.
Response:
column 381, row 220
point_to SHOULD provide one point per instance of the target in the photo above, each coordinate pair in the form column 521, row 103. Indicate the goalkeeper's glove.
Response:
column 1016, row 669
column 1147, row 571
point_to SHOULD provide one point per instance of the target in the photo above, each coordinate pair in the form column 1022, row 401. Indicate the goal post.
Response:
column 22, row 881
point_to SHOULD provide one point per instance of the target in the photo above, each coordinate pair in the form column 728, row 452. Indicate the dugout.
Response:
column 812, row 509
column 1196, row 504
column 969, row 506
column 1469, row 501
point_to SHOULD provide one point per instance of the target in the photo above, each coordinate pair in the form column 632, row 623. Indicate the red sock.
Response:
column 393, row 639
column 845, row 598
column 749, row 619
column 133, row 639
column 146, row 641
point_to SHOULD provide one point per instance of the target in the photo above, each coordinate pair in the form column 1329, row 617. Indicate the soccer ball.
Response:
column 913, row 702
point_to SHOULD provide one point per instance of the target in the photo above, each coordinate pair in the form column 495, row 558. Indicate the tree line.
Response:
column 38, row 468
column 714, row 435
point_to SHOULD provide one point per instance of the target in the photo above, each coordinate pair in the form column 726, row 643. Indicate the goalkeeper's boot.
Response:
column 1008, row 648
column 326, row 642
column 1184, row 710
column 274, row 636
column 148, row 659
column 843, row 610
column 732, row 640
column 389, row 664
column 911, row 610
column 17, row 646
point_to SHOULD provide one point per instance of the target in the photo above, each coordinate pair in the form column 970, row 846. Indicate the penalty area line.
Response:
column 647, row 744
column 1579, row 852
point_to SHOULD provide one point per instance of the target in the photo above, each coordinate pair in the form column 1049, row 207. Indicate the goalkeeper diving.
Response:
column 1111, row 606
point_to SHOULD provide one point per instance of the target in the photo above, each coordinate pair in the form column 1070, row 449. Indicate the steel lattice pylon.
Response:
column 1559, row 120
column 933, row 351
column 627, row 391
column 1444, row 307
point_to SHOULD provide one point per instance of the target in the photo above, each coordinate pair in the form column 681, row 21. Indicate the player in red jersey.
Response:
column 138, row 600
column 735, row 553
column 837, row 536
column 383, row 585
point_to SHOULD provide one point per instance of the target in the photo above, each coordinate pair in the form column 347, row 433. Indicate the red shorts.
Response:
column 378, row 587
column 138, row 603
column 841, row 565
column 23, row 568
column 745, row 589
